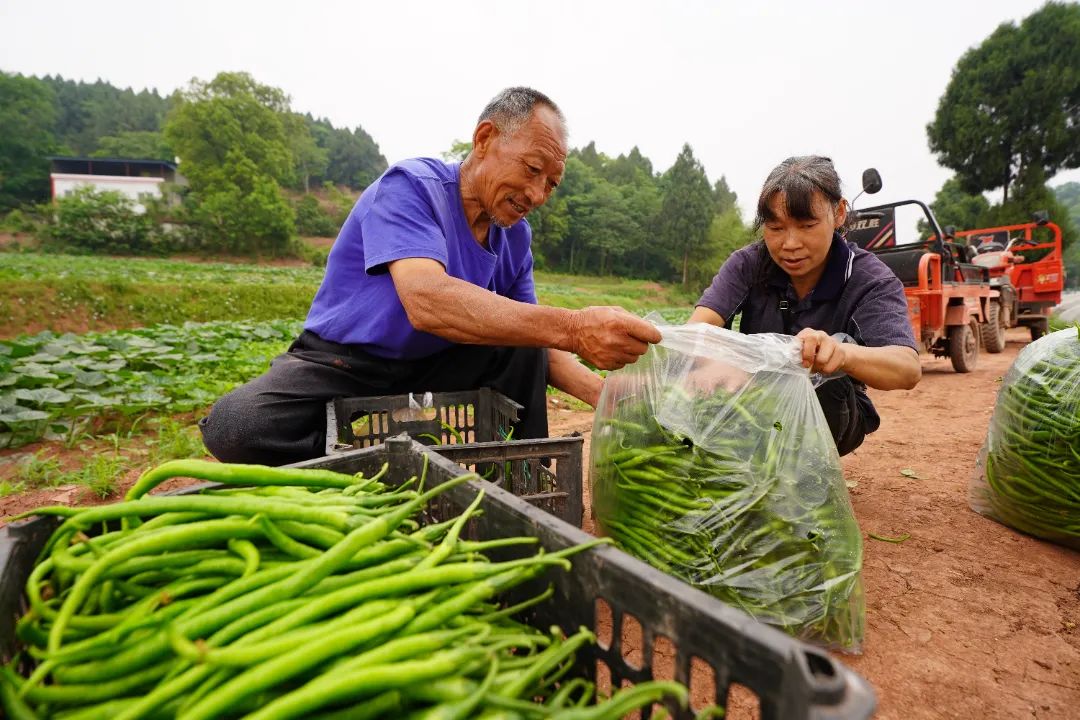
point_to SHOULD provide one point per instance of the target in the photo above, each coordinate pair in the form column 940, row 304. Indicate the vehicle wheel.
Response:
column 964, row 346
column 1038, row 329
column 992, row 332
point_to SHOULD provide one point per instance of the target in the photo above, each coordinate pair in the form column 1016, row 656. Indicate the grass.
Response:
column 79, row 293
column 110, row 458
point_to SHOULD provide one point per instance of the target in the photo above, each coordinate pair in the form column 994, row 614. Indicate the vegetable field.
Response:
column 59, row 386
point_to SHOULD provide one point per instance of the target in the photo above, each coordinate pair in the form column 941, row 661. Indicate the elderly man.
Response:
column 429, row 287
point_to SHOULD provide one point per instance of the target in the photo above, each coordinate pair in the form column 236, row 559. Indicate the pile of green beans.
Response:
column 1029, row 471
column 291, row 593
column 740, row 494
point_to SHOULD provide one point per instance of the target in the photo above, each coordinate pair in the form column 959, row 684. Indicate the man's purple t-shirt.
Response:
column 857, row 294
column 413, row 211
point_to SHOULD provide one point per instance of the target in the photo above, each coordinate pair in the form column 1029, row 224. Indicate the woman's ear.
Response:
column 840, row 214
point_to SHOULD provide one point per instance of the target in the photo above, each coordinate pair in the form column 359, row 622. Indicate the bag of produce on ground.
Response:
column 1028, row 472
column 712, row 460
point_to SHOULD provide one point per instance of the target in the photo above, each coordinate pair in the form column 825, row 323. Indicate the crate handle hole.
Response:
column 742, row 703
column 820, row 665
column 663, row 658
column 632, row 642
column 702, row 684
column 603, row 624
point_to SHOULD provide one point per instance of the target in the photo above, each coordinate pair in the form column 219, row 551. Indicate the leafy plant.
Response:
column 61, row 386
column 95, row 221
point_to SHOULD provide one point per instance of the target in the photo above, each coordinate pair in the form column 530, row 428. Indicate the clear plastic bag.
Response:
column 1027, row 475
column 712, row 460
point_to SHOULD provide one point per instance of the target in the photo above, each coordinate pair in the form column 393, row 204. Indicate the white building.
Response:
column 128, row 176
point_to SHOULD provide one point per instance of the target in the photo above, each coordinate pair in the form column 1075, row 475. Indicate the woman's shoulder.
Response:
column 746, row 258
column 868, row 267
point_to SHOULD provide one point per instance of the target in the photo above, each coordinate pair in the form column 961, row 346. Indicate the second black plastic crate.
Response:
column 545, row 473
column 468, row 416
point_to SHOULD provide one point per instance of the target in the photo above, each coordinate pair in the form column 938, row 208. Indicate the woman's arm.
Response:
column 573, row 378
column 703, row 314
column 893, row 367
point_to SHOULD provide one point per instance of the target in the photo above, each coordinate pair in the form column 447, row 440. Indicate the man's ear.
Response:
column 483, row 136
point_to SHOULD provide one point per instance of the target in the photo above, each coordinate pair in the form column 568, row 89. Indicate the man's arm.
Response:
column 458, row 311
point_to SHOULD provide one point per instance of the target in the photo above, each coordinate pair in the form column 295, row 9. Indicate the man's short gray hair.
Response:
column 509, row 110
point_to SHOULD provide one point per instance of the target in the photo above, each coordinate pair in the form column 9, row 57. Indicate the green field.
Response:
column 71, row 292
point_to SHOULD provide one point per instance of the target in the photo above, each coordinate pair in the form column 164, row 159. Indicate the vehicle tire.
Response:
column 992, row 332
column 1038, row 329
column 964, row 346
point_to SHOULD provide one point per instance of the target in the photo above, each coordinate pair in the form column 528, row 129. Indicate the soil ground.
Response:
column 966, row 618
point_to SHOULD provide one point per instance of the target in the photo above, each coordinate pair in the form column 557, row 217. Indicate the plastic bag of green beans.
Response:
column 1028, row 471
column 712, row 460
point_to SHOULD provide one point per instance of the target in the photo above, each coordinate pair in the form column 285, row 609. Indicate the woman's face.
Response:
column 801, row 245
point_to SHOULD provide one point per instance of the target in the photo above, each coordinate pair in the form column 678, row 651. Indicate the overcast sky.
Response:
column 746, row 84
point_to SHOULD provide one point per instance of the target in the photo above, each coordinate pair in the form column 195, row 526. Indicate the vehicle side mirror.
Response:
column 1040, row 217
column 871, row 180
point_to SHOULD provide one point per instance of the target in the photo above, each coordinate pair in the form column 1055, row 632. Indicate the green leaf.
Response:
column 21, row 414
column 44, row 396
column 909, row 473
column 91, row 379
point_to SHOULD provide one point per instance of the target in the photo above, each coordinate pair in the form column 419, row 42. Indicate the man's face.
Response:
column 518, row 173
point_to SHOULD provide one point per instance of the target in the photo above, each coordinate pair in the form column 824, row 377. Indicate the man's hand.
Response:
column 610, row 337
column 821, row 352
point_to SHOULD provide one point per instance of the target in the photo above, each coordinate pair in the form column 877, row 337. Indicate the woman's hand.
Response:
column 821, row 352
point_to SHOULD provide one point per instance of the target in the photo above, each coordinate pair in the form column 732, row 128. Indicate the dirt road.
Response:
column 967, row 618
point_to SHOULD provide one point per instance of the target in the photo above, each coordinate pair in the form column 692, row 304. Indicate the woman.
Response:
column 803, row 279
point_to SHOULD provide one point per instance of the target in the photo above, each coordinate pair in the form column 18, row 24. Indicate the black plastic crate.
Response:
column 605, row 588
column 792, row 680
column 482, row 415
column 545, row 473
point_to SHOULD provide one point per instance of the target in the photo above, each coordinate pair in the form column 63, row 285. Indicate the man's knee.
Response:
column 230, row 429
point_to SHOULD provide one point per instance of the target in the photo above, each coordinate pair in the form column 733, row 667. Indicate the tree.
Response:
column 952, row 205
column 1013, row 103
column 309, row 159
column 687, row 209
column 142, row 144
column 241, row 210
column 235, row 138
column 727, row 233
column 27, row 118
column 232, row 115
column 459, row 150
column 724, row 197
column 353, row 157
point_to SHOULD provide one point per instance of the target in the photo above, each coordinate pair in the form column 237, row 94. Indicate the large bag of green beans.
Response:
column 1028, row 472
column 712, row 461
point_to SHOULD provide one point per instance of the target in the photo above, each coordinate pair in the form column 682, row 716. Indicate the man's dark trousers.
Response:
column 280, row 417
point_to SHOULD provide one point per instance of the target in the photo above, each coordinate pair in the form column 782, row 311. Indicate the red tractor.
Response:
column 1027, row 270
column 948, row 297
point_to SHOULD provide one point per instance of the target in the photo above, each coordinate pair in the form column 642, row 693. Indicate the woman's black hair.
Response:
column 797, row 179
